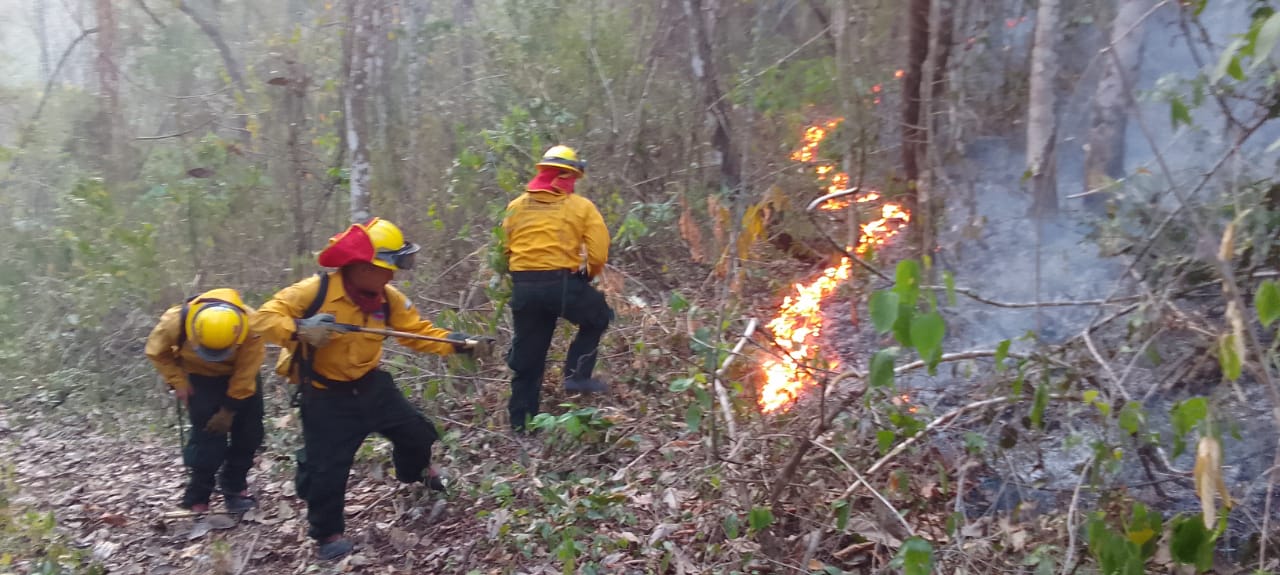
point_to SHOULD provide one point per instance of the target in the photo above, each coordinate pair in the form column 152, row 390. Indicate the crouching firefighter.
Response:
column 206, row 353
column 547, row 230
column 343, row 394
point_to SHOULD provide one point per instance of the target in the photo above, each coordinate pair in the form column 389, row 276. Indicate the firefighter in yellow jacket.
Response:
column 206, row 353
column 548, row 229
column 345, row 396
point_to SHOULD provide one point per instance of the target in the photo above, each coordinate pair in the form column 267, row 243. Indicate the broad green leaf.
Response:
column 1002, row 351
column 693, row 417
column 677, row 303
column 1267, row 300
column 1235, row 70
column 681, row 385
column 949, row 279
column 1038, row 407
column 1225, row 61
column 1266, row 41
column 1228, row 357
column 885, row 439
column 1184, row 417
column 841, row 509
column 902, row 326
column 907, row 281
column 731, row 526
column 1131, row 417
column 1178, row 113
column 882, row 368
column 884, row 310
column 1090, row 396
column 760, row 518
column 1192, row 543
column 927, row 332
column 917, row 557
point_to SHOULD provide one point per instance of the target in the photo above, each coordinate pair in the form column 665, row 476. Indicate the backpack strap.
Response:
column 182, row 322
column 304, row 354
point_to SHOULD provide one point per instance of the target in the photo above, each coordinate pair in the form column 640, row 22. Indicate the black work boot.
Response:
column 239, row 502
column 334, row 547
column 585, row 385
column 435, row 481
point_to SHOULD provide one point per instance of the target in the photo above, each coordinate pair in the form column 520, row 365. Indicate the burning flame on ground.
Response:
column 798, row 325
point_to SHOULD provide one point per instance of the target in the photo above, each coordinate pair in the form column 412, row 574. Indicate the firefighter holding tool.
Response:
column 205, row 352
column 344, row 394
column 547, row 230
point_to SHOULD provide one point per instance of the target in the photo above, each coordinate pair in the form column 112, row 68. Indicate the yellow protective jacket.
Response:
column 347, row 356
column 549, row 230
column 175, row 363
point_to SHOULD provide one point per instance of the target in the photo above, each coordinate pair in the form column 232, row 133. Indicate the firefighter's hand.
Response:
column 317, row 329
column 220, row 423
column 182, row 394
column 474, row 346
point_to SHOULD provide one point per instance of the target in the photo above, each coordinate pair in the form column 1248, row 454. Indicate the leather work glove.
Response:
column 317, row 329
column 477, row 346
column 220, row 423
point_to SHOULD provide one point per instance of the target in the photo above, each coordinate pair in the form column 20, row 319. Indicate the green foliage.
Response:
column 884, row 310
column 1191, row 543
column 882, row 368
column 907, row 281
column 1229, row 357
column 577, row 424
column 1267, row 302
column 915, row 557
column 927, row 332
column 1127, row 552
column 760, row 519
column 1002, row 352
column 1185, row 416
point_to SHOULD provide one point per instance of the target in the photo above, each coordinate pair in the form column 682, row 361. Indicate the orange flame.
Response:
column 797, row 328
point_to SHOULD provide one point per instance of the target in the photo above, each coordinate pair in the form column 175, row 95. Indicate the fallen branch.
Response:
column 1068, row 565
column 721, row 394
column 176, row 134
column 863, row 480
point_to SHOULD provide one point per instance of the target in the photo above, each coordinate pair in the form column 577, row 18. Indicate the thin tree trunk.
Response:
column 295, row 114
column 108, row 89
column 415, row 24
column 42, row 38
column 463, row 15
column 1104, row 154
column 210, row 30
column 703, row 64
column 1041, row 112
column 942, row 54
column 912, row 126
column 361, row 58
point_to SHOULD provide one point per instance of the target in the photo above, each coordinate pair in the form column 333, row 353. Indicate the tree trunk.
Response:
column 1041, row 112
column 702, row 61
column 42, row 37
column 942, row 53
column 912, row 127
column 415, row 24
column 362, row 57
column 295, row 114
column 1104, row 155
column 210, row 30
column 463, row 14
column 108, row 89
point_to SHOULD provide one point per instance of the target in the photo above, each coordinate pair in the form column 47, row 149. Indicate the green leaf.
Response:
column 1228, row 359
column 1192, row 543
column 902, row 327
column 681, row 385
column 907, row 281
column 841, row 510
column 884, row 310
column 677, row 303
column 882, row 368
column 1235, row 70
column 1266, row 41
column 927, row 332
column 885, row 439
column 732, row 527
column 1178, row 113
column 1002, row 351
column 1267, row 300
column 949, row 279
column 917, row 557
column 1038, row 407
column 693, row 417
column 760, row 518
column 1184, row 417
column 1131, row 417
column 1225, row 61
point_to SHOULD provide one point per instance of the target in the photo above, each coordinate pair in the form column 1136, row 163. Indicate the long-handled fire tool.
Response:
column 474, row 343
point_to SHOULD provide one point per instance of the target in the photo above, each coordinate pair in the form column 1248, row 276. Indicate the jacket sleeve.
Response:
column 596, row 236
column 507, row 224
column 404, row 317
column 275, row 320
column 244, row 377
column 160, row 349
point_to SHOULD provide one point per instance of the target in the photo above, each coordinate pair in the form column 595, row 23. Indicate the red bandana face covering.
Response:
column 368, row 302
column 552, row 180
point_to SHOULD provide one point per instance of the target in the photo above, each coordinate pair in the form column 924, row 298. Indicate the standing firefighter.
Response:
column 205, row 352
column 547, row 230
column 345, row 396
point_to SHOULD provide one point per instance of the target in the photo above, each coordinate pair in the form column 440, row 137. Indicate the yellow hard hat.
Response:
column 563, row 157
column 215, row 329
column 390, row 251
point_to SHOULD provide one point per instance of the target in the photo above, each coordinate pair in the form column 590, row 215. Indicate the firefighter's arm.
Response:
column 244, row 376
column 596, row 237
column 161, row 350
column 404, row 317
column 276, row 320
column 508, row 222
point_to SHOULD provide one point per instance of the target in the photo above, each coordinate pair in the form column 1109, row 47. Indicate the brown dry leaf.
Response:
column 719, row 218
column 1208, row 476
column 114, row 520
column 402, row 540
column 691, row 234
column 815, row 565
column 1227, row 248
